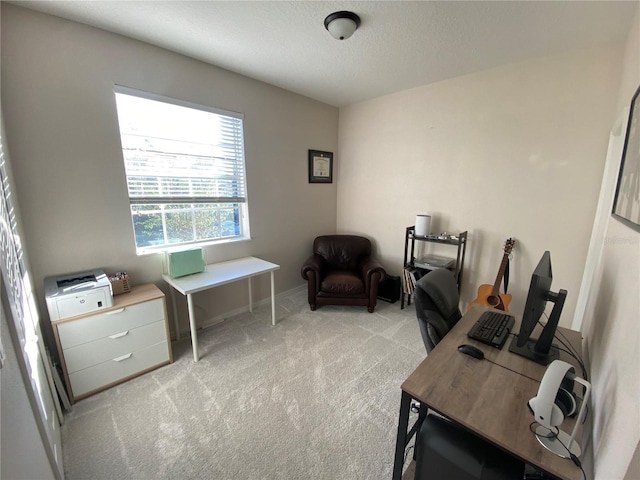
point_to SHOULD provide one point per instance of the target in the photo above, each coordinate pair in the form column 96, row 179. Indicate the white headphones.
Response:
column 554, row 402
column 555, row 399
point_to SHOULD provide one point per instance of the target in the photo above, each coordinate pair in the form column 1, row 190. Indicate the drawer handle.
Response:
column 123, row 357
column 118, row 335
column 113, row 312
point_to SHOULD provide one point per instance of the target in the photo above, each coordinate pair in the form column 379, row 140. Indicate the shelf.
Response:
column 436, row 239
column 459, row 241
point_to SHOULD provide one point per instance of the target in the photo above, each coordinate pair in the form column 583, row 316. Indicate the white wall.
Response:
column 61, row 124
column 610, row 325
column 516, row 151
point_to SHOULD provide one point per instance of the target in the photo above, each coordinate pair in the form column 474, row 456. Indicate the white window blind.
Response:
column 21, row 311
column 185, row 170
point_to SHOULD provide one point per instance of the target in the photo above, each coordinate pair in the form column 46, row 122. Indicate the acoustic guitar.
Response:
column 489, row 295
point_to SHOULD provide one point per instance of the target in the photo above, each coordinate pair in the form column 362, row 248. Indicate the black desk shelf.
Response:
column 410, row 239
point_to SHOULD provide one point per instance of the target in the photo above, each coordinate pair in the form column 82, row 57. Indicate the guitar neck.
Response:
column 501, row 270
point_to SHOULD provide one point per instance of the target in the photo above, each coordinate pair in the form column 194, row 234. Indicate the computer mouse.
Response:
column 472, row 351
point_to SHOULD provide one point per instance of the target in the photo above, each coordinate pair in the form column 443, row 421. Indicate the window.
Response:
column 21, row 314
column 185, row 171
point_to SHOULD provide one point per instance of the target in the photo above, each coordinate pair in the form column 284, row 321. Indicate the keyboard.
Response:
column 492, row 328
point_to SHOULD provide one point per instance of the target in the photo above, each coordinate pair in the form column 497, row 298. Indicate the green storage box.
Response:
column 185, row 262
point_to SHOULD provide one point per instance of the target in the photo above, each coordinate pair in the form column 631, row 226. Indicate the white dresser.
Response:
column 101, row 349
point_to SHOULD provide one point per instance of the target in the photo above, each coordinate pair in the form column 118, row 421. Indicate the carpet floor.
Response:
column 315, row 397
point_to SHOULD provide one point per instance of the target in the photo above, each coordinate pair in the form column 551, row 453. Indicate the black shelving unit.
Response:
column 459, row 241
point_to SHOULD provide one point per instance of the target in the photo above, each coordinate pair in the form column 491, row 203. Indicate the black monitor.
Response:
column 540, row 350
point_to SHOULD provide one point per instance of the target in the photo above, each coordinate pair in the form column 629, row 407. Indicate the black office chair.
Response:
column 437, row 306
column 445, row 450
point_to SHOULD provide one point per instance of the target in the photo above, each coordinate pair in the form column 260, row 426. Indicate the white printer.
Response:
column 77, row 293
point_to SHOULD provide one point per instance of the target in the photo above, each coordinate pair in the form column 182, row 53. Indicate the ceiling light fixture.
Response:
column 341, row 25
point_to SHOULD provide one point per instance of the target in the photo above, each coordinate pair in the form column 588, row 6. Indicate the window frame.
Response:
column 239, row 203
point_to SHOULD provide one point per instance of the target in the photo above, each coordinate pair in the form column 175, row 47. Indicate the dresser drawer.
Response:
column 94, row 327
column 92, row 353
column 113, row 370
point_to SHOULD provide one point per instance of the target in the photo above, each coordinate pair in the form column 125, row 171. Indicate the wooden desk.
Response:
column 488, row 399
column 215, row 275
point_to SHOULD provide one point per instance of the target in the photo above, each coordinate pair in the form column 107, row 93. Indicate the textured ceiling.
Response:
column 399, row 44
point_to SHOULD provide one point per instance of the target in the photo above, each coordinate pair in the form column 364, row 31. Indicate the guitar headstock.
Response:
column 508, row 246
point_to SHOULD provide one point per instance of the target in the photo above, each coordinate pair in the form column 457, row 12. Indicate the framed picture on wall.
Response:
column 626, row 204
column 320, row 166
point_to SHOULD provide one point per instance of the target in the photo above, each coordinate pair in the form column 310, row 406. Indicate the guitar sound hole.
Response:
column 493, row 300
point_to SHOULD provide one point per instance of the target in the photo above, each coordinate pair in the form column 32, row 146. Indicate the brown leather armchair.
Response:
column 342, row 272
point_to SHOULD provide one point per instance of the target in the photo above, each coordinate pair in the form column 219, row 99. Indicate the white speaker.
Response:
column 423, row 225
column 551, row 406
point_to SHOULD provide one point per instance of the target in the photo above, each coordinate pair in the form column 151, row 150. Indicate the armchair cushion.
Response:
column 342, row 282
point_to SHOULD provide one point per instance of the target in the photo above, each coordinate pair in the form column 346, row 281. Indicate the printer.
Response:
column 77, row 293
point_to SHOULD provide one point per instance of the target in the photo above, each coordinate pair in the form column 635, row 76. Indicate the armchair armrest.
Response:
column 371, row 269
column 312, row 271
column 312, row 267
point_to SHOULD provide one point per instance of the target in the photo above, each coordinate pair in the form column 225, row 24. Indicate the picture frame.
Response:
column 626, row 203
column 320, row 166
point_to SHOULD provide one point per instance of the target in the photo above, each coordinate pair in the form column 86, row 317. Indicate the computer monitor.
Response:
column 540, row 350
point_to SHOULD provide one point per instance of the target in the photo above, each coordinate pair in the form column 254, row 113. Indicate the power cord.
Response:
column 511, row 370
column 569, row 348
column 406, row 453
column 538, row 381
column 554, row 434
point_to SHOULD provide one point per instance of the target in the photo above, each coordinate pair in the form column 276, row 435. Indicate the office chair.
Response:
column 436, row 301
column 445, row 450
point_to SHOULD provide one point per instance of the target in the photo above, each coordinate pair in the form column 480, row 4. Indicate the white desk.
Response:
column 215, row 275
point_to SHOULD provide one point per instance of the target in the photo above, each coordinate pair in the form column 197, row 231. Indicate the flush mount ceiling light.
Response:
column 341, row 25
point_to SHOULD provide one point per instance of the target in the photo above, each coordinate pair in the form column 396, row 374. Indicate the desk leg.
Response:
column 403, row 423
column 175, row 312
column 250, row 296
column 273, row 300
column 192, row 327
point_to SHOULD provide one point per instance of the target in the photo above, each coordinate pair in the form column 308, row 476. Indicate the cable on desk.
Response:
column 575, row 356
column 579, row 360
column 511, row 370
column 570, row 349
column 567, row 344
column 571, row 352
column 554, row 434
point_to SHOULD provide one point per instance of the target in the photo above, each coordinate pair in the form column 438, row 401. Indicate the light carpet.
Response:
column 315, row 397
